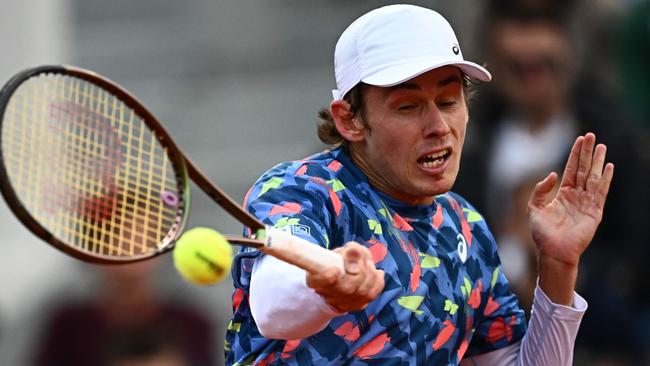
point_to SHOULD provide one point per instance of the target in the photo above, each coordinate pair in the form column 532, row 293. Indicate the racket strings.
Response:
column 87, row 167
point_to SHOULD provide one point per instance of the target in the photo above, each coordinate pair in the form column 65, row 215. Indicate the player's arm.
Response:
column 281, row 303
column 287, row 303
column 564, row 227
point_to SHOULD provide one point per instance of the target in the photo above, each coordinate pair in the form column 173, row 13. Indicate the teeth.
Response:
column 434, row 160
column 433, row 164
column 436, row 155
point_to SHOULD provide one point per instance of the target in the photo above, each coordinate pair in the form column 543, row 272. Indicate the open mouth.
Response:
column 434, row 160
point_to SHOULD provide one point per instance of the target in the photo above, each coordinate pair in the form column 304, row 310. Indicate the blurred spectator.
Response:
column 127, row 324
column 523, row 125
column 634, row 59
column 150, row 347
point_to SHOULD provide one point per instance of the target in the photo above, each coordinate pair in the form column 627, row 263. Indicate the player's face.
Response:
column 412, row 146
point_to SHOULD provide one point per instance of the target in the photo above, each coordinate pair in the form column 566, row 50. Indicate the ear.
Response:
column 348, row 125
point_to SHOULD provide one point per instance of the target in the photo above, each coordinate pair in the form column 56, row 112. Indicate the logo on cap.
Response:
column 455, row 49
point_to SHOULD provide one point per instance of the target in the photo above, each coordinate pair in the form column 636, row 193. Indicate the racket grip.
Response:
column 300, row 252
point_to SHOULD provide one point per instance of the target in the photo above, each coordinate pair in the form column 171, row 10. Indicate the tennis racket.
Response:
column 88, row 169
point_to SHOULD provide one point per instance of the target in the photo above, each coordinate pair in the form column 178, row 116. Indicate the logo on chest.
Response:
column 462, row 247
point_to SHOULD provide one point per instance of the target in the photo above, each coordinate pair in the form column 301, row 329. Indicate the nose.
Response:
column 434, row 124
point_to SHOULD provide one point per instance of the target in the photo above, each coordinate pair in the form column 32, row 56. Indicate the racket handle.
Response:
column 300, row 252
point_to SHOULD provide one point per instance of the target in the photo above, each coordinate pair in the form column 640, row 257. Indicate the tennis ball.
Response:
column 202, row 256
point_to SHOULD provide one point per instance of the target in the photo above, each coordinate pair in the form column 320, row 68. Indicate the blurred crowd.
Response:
column 560, row 68
column 127, row 322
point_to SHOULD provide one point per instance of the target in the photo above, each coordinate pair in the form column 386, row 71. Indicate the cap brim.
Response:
column 400, row 73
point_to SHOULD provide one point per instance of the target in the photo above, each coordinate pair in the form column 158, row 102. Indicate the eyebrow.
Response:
column 413, row 86
column 450, row 80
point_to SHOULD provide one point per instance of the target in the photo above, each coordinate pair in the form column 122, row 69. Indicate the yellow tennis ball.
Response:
column 202, row 256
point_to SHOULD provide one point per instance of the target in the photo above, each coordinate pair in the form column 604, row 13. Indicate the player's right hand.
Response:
column 357, row 287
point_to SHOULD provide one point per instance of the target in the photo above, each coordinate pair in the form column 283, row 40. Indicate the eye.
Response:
column 405, row 107
column 447, row 103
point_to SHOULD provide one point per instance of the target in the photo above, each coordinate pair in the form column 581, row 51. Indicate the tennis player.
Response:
column 423, row 283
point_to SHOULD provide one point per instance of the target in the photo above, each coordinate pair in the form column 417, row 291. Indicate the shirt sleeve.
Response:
column 550, row 338
column 281, row 303
column 295, row 202
column 289, row 200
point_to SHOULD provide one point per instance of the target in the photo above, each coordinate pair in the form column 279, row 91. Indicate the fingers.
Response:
column 353, row 257
column 596, row 171
column 360, row 284
column 603, row 185
column 324, row 279
column 354, row 292
column 598, row 179
column 369, row 288
column 585, row 161
column 571, row 168
column 542, row 189
column 584, row 168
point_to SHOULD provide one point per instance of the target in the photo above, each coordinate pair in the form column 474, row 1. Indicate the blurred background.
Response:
column 238, row 85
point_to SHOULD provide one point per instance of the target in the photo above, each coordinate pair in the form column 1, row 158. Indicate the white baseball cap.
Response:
column 395, row 43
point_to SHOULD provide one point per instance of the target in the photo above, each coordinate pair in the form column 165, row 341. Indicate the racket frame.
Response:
column 292, row 249
column 176, row 157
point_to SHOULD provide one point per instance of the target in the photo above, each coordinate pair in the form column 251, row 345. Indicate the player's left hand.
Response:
column 563, row 227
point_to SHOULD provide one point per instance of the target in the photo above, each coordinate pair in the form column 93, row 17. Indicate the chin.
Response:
column 440, row 190
column 434, row 190
column 444, row 183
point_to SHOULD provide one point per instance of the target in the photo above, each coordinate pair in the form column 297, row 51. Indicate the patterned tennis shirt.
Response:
column 445, row 295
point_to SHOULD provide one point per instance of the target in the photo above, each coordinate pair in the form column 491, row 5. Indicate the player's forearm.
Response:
column 281, row 303
column 557, row 279
column 552, row 330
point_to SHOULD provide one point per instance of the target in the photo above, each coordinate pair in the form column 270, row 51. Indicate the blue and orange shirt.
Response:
column 445, row 296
